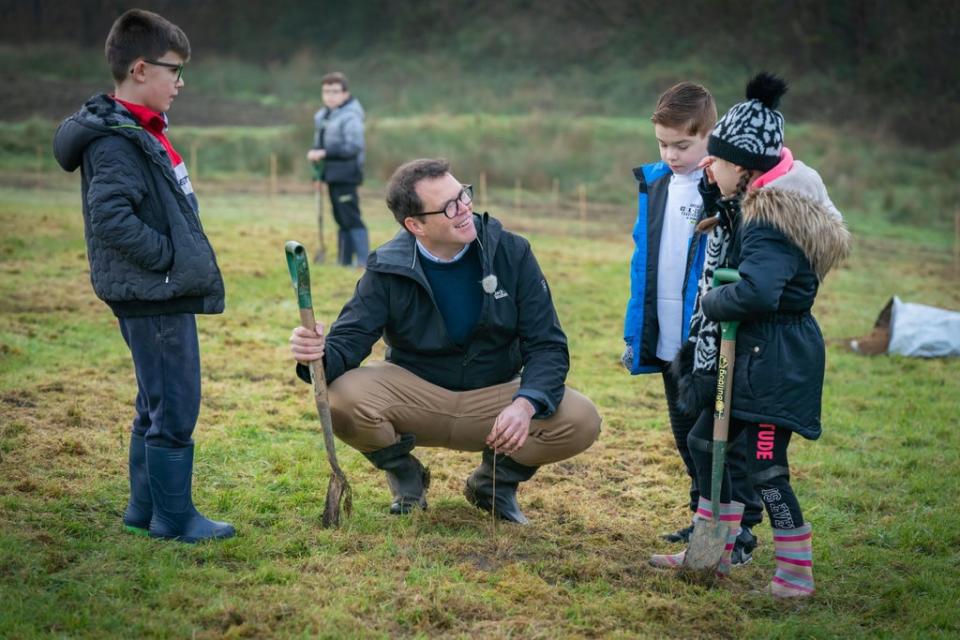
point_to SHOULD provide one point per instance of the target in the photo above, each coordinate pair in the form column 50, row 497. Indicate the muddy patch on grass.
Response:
column 26, row 486
column 19, row 398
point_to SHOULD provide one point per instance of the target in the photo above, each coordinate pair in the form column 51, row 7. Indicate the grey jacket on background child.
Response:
column 340, row 133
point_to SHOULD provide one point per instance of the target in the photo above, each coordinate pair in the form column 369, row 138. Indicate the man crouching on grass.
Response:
column 476, row 358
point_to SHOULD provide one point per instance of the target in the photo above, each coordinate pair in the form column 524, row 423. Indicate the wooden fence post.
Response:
column 194, row 172
column 273, row 174
column 956, row 242
column 556, row 193
column 517, row 198
column 38, row 180
column 582, row 190
column 483, row 190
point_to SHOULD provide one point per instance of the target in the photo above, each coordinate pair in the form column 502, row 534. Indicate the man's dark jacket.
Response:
column 517, row 329
column 148, row 252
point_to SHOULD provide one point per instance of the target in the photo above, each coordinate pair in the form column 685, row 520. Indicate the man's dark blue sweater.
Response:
column 456, row 289
column 459, row 296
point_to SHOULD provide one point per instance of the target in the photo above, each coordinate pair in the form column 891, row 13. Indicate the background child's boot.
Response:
column 344, row 248
column 361, row 245
column 136, row 518
column 793, row 549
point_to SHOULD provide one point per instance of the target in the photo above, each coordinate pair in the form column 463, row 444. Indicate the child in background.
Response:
column 150, row 261
column 666, row 266
column 337, row 155
column 779, row 228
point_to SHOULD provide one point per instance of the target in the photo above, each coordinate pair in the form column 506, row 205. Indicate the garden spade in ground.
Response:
column 339, row 489
column 709, row 537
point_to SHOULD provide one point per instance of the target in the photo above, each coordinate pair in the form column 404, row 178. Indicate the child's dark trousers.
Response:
column 743, row 490
column 166, row 358
column 766, row 462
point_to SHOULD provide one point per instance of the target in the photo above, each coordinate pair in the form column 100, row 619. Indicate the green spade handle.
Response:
column 299, row 274
column 728, row 330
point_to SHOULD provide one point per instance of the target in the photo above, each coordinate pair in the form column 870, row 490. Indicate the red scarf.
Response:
column 155, row 123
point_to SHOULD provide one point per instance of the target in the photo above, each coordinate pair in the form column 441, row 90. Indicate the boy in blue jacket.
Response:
column 150, row 261
column 666, row 265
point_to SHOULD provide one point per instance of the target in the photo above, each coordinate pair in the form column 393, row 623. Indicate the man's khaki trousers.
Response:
column 374, row 403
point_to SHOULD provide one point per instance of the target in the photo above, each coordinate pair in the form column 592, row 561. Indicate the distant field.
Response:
column 872, row 179
column 512, row 121
column 879, row 487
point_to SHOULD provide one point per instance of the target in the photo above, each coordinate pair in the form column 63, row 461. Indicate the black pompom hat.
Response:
column 750, row 134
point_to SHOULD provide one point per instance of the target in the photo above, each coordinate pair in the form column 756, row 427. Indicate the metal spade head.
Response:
column 707, row 543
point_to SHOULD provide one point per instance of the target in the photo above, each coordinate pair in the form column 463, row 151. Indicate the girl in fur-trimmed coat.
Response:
column 778, row 227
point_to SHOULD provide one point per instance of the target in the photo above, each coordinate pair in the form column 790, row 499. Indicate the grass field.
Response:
column 880, row 486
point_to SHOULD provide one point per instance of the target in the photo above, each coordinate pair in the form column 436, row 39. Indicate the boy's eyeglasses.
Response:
column 168, row 65
column 451, row 208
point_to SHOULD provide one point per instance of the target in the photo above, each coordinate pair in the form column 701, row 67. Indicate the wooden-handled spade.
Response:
column 339, row 489
column 709, row 537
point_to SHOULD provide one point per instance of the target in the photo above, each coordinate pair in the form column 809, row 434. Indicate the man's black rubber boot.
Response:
column 479, row 488
column 174, row 516
column 680, row 535
column 136, row 518
column 407, row 477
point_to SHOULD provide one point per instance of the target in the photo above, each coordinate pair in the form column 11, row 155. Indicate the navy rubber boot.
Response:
column 174, row 516
column 361, row 245
column 407, row 477
column 480, row 491
column 344, row 248
column 139, row 511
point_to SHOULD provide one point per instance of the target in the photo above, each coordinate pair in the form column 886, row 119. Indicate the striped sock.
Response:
column 731, row 513
column 793, row 549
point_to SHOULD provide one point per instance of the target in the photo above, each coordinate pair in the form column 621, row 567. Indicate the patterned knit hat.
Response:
column 750, row 134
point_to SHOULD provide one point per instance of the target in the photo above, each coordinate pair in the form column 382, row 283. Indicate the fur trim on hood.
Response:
column 813, row 225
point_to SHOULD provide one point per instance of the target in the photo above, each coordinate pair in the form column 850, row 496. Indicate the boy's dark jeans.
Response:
column 743, row 490
column 346, row 205
column 166, row 358
column 346, row 212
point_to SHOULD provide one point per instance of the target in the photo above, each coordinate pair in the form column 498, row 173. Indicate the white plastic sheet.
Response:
column 922, row 331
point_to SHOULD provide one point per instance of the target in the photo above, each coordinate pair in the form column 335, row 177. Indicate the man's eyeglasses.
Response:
column 453, row 207
column 168, row 65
